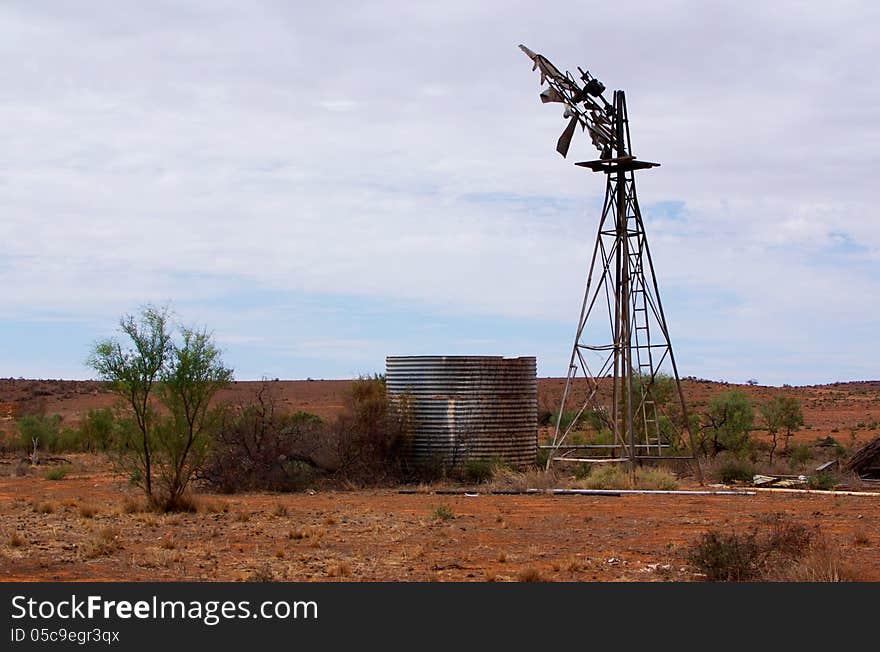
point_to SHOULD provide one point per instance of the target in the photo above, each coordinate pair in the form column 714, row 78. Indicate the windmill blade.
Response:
column 547, row 68
column 531, row 55
column 564, row 141
column 551, row 95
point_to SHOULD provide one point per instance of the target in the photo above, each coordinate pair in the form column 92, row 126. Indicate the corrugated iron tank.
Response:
column 462, row 408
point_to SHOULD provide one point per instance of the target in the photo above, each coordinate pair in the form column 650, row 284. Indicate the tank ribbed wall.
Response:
column 467, row 407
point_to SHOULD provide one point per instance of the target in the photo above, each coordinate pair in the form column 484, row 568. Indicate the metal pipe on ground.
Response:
column 585, row 492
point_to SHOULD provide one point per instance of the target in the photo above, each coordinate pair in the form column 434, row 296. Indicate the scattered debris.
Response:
column 831, row 465
column 783, row 481
column 866, row 460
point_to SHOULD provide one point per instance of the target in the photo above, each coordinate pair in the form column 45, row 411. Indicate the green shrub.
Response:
column 733, row 469
column 726, row 557
column 478, row 471
column 442, row 513
column 56, row 473
column 799, row 456
column 606, row 476
column 542, row 457
column 823, row 481
column 604, row 437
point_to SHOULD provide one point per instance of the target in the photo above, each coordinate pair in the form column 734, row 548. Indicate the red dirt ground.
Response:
column 83, row 527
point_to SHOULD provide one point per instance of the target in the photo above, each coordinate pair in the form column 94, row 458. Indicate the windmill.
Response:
column 621, row 331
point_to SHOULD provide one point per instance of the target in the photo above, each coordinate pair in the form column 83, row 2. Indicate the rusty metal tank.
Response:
column 462, row 408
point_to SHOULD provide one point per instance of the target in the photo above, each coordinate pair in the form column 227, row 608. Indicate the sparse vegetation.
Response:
column 783, row 550
column 383, row 536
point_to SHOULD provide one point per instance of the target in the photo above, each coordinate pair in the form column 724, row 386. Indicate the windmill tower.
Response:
column 622, row 360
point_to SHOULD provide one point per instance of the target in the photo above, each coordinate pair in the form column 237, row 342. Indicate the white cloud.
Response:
column 335, row 148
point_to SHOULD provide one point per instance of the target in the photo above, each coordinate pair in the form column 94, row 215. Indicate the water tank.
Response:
column 461, row 408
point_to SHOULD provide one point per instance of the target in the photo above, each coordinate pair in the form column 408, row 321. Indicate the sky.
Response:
column 324, row 184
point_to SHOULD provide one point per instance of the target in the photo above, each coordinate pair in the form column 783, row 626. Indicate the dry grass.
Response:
column 609, row 476
column 279, row 510
column 648, row 477
column 262, row 574
column 132, row 505
column 574, row 565
column 206, row 506
column 822, row 563
column 168, row 542
column 88, row 511
column 529, row 574
column 46, row 507
column 242, row 517
column 105, row 543
column 339, row 569
column 505, row 479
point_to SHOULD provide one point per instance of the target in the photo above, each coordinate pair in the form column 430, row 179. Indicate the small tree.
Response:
column 782, row 413
column 727, row 423
column 168, row 446
column 132, row 372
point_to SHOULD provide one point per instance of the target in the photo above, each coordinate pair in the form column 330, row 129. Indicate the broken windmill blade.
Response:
column 579, row 102
column 622, row 369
